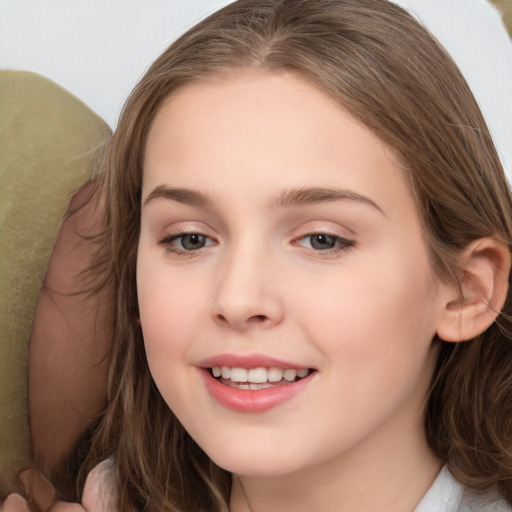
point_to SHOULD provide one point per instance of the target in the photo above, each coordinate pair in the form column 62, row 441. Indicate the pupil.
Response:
column 193, row 241
column 322, row 242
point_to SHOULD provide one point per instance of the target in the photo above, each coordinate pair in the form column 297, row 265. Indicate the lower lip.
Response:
column 247, row 400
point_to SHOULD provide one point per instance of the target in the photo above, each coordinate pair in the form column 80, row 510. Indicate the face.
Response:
column 285, row 293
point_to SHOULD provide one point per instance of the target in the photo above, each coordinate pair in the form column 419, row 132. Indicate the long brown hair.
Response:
column 387, row 70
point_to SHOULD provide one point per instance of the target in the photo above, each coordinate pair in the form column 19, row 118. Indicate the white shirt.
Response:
column 448, row 495
column 445, row 495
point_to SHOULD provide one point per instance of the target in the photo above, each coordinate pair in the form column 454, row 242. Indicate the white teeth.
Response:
column 290, row 375
column 274, row 374
column 258, row 375
column 239, row 375
column 253, row 387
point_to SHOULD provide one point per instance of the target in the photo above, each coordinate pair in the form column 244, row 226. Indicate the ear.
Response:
column 485, row 266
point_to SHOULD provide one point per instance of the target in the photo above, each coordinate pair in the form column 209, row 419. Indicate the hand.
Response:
column 15, row 503
column 98, row 496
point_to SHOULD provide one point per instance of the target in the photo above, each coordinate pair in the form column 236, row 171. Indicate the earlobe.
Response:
column 472, row 308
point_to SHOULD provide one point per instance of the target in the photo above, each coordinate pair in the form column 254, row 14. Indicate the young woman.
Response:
column 307, row 255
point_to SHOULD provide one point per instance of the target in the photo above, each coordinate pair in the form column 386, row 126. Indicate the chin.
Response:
column 255, row 468
column 255, row 462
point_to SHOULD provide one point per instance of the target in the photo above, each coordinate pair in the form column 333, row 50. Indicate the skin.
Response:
column 68, row 362
column 96, row 496
column 362, row 314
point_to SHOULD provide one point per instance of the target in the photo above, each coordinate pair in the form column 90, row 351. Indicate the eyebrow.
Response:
column 316, row 195
column 286, row 199
column 180, row 195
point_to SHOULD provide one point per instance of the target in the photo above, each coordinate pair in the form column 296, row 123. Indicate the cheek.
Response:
column 168, row 307
column 374, row 313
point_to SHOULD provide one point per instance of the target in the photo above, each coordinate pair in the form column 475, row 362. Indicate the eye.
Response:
column 191, row 241
column 186, row 242
column 321, row 241
column 324, row 242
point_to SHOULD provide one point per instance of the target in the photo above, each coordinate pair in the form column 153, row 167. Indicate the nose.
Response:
column 247, row 294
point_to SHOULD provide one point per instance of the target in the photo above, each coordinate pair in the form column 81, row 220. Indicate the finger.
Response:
column 38, row 488
column 15, row 503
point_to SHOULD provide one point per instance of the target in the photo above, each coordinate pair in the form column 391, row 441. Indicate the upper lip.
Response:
column 248, row 361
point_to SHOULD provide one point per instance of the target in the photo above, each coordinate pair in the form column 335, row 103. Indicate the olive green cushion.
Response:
column 505, row 7
column 50, row 145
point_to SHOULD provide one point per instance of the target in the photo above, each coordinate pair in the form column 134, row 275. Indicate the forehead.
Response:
column 252, row 99
column 263, row 127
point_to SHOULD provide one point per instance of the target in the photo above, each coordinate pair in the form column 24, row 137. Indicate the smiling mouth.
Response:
column 257, row 378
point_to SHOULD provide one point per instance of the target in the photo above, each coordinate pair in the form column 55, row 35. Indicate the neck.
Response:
column 384, row 473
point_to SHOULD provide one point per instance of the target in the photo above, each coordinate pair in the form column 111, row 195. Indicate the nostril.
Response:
column 241, row 320
column 221, row 318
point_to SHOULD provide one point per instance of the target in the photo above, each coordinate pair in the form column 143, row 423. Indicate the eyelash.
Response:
column 167, row 242
column 341, row 244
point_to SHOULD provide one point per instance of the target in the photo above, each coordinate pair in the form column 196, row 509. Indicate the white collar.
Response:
column 448, row 495
column 445, row 494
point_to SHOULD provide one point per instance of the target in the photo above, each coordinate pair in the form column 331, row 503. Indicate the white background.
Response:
column 98, row 49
